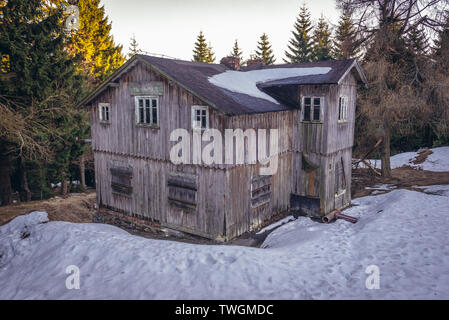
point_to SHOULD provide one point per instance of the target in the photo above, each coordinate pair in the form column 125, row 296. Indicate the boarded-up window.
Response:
column 340, row 179
column 121, row 177
column 183, row 190
column 260, row 190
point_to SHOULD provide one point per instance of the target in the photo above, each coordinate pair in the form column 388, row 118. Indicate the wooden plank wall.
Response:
column 149, row 199
column 224, row 206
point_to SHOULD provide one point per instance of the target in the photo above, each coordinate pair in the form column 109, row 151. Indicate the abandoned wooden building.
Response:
column 135, row 111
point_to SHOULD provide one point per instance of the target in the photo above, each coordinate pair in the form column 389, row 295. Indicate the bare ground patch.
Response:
column 76, row 207
column 402, row 178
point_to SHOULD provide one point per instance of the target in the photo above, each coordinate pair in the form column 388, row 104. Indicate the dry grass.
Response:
column 76, row 207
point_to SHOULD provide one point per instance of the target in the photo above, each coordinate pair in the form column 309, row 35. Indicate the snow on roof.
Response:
column 246, row 82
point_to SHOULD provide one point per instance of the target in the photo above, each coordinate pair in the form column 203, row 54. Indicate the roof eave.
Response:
column 361, row 74
column 105, row 84
column 129, row 64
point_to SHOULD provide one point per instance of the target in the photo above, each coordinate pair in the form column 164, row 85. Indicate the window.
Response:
column 200, row 117
column 182, row 190
column 340, row 179
column 312, row 109
column 103, row 109
column 260, row 190
column 147, row 111
column 342, row 110
column 121, row 177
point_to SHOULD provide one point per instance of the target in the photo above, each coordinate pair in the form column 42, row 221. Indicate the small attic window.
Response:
column 104, row 112
column 312, row 107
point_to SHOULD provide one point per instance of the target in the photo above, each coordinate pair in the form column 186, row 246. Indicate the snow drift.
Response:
column 404, row 233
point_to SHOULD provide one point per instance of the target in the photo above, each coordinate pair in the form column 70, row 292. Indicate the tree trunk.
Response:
column 5, row 180
column 25, row 192
column 385, row 155
column 64, row 187
column 83, row 172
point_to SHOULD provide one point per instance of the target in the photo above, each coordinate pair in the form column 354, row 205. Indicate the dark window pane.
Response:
column 203, row 122
column 141, row 114
column 307, row 100
column 339, row 109
column 307, row 113
column 316, row 113
column 316, row 109
column 107, row 114
column 147, row 115
column 154, row 108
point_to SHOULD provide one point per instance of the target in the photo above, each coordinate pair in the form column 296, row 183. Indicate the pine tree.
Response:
column 210, row 58
column 133, row 47
column 417, row 42
column 300, row 47
column 441, row 47
column 94, row 42
column 41, row 92
column 322, row 45
column 236, row 51
column 201, row 50
column 346, row 45
column 264, row 50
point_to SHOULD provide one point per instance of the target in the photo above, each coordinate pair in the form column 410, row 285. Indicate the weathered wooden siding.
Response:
column 240, row 215
column 123, row 136
column 149, row 199
column 224, row 191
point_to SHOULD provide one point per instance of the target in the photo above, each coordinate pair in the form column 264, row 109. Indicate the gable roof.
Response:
column 194, row 77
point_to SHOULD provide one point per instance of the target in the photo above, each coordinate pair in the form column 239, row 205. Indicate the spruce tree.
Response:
column 322, row 45
column 40, row 92
column 201, row 50
column 346, row 45
column 94, row 42
column 236, row 51
column 264, row 50
column 417, row 42
column 133, row 47
column 210, row 58
column 300, row 47
column 441, row 47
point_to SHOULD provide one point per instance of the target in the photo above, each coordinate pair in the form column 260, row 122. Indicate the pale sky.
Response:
column 170, row 27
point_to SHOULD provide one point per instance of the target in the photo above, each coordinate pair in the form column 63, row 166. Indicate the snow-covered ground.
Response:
column 438, row 161
column 404, row 233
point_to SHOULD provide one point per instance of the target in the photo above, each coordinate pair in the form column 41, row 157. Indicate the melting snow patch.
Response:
column 246, row 82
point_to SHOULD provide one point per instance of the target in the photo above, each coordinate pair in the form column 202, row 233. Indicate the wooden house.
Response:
column 135, row 111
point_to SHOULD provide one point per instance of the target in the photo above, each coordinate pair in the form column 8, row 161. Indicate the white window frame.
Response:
column 146, row 123
column 342, row 114
column 311, row 109
column 107, row 107
column 195, row 124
